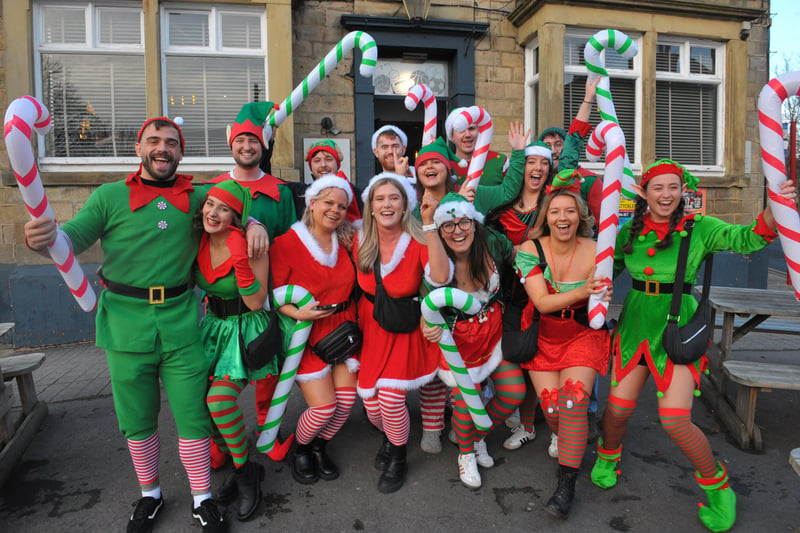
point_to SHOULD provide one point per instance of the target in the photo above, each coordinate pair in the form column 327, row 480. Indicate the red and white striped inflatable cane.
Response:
column 422, row 93
column 480, row 117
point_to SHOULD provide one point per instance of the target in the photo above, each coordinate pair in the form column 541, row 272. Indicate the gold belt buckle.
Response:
column 652, row 287
column 152, row 291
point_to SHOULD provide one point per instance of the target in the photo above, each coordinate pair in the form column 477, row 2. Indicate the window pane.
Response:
column 208, row 93
column 63, row 25
column 573, row 50
column 188, row 29
column 97, row 103
column 119, row 27
column 241, row 31
column 668, row 58
column 702, row 60
column 686, row 119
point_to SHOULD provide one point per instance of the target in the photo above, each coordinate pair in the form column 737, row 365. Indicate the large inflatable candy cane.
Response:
column 769, row 126
column 458, row 299
column 606, row 136
column 288, row 294
column 423, row 93
column 369, row 58
column 480, row 117
column 624, row 45
column 24, row 116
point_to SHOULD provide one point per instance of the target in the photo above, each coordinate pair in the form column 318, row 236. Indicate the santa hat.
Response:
column 397, row 131
column 174, row 123
column 454, row 206
column 541, row 149
column 325, row 182
column 325, row 146
column 233, row 195
column 449, row 122
column 252, row 119
column 402, row 182
column 568, row 179
column 555, row 130
column 439, row 151
column 668, row 166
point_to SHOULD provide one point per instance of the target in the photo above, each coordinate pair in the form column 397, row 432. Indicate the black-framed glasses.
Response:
column 449, row 227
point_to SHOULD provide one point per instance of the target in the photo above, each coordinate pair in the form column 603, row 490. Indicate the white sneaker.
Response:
column 468, row 471
column 513, row 420
column 519, row 436
column 431, row 441
column 482, row 455
column 552, row 450
column 452, row 437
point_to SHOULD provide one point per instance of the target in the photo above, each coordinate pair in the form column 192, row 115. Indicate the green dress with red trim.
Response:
column 494, row 169
column 643, row 319
column 220, row 336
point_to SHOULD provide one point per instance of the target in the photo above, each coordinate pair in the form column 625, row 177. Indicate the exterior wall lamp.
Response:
column 417, row 9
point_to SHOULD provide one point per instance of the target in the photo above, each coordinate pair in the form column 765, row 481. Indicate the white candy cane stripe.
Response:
column 25, row 116
column 458, row 299
column 480, row 117
column 369, row 58
column 288, row 294
column 607, row 135
column 423, row 93
column 770, row 102
column 595, row 63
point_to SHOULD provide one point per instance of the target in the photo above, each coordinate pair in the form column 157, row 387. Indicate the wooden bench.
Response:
column 794, row 460
column 752, row 377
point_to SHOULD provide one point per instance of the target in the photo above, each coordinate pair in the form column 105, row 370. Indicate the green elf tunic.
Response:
column 494, row 170
column 643, row 319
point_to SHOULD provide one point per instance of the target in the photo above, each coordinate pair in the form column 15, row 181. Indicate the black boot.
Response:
column 303, row 468
column 228, row 489
column 561, row 500
column 248, row 481
column 382, row 459
column 325, row 467
column 395, row 474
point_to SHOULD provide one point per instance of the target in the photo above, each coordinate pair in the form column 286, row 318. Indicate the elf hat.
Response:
column 402, row 182
column 454, row 206
column 439, row 151
column 541, row 149
column 325, row 182
column 252, row 119
column 325, row 146
column 668, row 166
column 450, row 121
column 174, row 123
column 555, row 130
column 388, row 127
column 568, row 179
column 234, row 196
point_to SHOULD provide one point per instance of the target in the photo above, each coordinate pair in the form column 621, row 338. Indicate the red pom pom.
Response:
column 651, row 252
column 226, row 376
column 618, row 472
column 700, row 505
column 648, row 271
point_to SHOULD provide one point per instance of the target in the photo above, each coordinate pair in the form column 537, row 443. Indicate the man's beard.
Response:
column 158, row 175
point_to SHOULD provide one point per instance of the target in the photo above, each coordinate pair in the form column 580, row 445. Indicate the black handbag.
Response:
column 395, row 315
column 520, row 346
column 261, row 350
column 685, row 345
column 340, row 344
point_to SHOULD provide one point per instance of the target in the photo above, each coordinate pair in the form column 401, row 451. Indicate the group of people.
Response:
column 520, row 243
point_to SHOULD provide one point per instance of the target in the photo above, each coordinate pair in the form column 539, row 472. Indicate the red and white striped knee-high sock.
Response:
column 145, row 454
column 432, row 400
column 312, row 421
column 396, row 422
column 373, row 408
column 345, row 399
column 196, row 459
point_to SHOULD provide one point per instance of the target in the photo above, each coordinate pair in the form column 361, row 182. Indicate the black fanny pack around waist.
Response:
column 224, row 308
column 654, row 288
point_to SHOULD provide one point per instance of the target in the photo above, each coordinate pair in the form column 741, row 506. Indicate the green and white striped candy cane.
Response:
column 369, row 58
column 458, row 299
column 288, row 294
column 595, row 63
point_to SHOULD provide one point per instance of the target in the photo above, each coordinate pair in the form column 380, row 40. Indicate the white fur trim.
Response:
column 313, row 376
column 449, row 275
column 313, row 247
column 402, row 181
column 353, row 365
column 399, row 384
column 540, row 151
column 460, row 209
column 478, row 373
column 448, row 123
column 326, row 181
column 389, row 127
column 397, row 255
column 358, row 224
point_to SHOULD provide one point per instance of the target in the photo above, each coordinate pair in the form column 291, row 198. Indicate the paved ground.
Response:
column 77, row 474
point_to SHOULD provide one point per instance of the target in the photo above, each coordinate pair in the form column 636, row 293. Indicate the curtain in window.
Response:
column 686, row 122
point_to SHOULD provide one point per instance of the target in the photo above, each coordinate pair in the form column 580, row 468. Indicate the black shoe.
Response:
column 561, row 500
column 382, row 459
column 210, row 518
column 248, row 482
column 227, row 491
column 304, row 469
column 144, row 514
column 395, row 474
column 592, row 418
column 325, row 467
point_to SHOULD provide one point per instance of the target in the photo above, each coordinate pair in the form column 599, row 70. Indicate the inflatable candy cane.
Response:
column 606, row 136
column 769, row 126
column 24, row 116
column 421, row 92
column 449, row 297
column 595, row 63
column 369, row 59
column 480, row 117
column 288, row 294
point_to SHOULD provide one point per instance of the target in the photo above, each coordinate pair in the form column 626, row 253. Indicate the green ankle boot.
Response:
column 604, row 472
column 720, row 514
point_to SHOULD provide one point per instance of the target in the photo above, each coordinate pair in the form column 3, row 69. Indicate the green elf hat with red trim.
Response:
column 454, row 206
column 568, row 179
column 234, row 196
column 668, row 166
column 252, row 119
column 325, row 146
column 439, row 151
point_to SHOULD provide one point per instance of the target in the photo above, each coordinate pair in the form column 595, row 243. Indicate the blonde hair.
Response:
column 369, row 246
column 540, row 228
column 344, row 232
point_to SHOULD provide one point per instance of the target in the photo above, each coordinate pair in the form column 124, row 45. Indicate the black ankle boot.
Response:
column 228, row 489
column 561, row 500
column 382, row 459
column 395, row 474
column 248, row 481
column 304, row 470
column 325, row 467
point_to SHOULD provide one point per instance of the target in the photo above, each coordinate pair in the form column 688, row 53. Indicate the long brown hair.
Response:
column 585, row 225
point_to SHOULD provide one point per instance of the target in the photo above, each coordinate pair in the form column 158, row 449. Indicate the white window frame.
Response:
column 532, row 51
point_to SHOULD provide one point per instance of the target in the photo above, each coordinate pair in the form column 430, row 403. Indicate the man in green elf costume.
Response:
column 147, row 315
column 494, row 170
